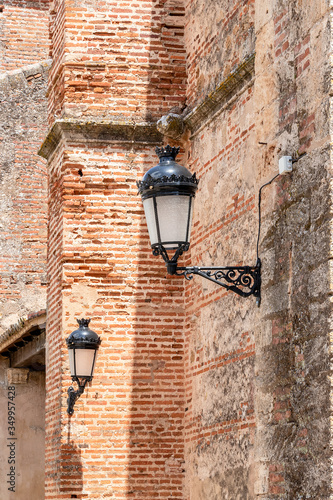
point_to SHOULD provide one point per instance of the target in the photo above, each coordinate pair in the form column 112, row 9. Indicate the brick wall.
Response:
column 126, row 61
column 191, row 381
column 257, row 397
column 220, row 329
column 218, row 37
column 23, row 188
column 114, row 71
column 125, row 438
column 23, row 33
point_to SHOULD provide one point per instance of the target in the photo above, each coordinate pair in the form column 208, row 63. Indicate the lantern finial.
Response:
column 83, row 322
column 167, row 152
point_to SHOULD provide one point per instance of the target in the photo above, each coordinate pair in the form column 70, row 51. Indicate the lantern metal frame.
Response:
column 82, row 338
column 242, row 280
column 73, row 395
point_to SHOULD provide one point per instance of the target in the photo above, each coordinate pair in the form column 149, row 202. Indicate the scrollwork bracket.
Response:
column 243, row 280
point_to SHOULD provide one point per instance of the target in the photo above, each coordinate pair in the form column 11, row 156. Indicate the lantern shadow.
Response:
column 71, row 465
column 154, row 429
column 155, row 439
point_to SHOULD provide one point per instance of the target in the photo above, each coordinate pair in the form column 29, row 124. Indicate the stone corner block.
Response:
column 17, row 376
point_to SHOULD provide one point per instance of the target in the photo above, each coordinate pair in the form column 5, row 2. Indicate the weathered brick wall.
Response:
column 23, row 193
column 253, row 409
column 125, row 438
column 293, row 362
column 218, row 37
column 24, row 37
column 115, row 71
column 257, row 413
column 121, row 59
column 23, row 234
column 221, row 327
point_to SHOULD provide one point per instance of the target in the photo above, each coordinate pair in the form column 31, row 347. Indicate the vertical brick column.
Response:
column 23, row 33
column 116, row 69
column 258, row 390
column 118, row 59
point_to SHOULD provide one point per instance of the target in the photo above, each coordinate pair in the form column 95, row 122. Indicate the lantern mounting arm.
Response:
column 73, row 395
column 242, row 280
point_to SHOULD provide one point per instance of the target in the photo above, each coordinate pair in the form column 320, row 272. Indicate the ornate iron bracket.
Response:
column 73, row 395
column 243, row 280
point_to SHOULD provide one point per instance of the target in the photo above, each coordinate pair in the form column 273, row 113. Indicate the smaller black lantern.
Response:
column 82, row 345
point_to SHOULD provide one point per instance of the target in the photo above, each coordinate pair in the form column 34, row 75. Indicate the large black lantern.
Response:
column 167, row 192
column 82, row 345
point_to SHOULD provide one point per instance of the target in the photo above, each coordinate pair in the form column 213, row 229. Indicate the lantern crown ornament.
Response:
column 167, row 191
column 83, row 335
column 168, row 176
column 83, row 344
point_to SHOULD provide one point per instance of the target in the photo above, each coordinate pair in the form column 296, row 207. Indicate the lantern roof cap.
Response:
column 83, row 336
column 167, row 174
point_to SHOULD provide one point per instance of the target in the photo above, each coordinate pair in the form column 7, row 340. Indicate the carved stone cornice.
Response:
column 89, row 132
column 174, row 126
column 234, row 82
column 120, row 131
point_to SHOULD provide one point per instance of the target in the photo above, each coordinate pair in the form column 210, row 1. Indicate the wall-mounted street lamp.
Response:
column 82, row 345
column 167, row 192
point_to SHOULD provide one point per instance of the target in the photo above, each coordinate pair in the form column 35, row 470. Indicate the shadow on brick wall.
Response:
column 71, row 465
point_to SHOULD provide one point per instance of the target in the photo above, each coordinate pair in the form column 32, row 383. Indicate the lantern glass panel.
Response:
column 173, row 219
column 84, row 362
column 71, row 362
column 148, row 205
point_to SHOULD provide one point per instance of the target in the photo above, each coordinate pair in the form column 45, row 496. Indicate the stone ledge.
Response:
column 32, row 353
column 19, row 78
column 99, row 132
column 233, row 83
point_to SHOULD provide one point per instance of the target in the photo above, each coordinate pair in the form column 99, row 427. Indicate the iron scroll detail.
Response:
column 243, row 280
